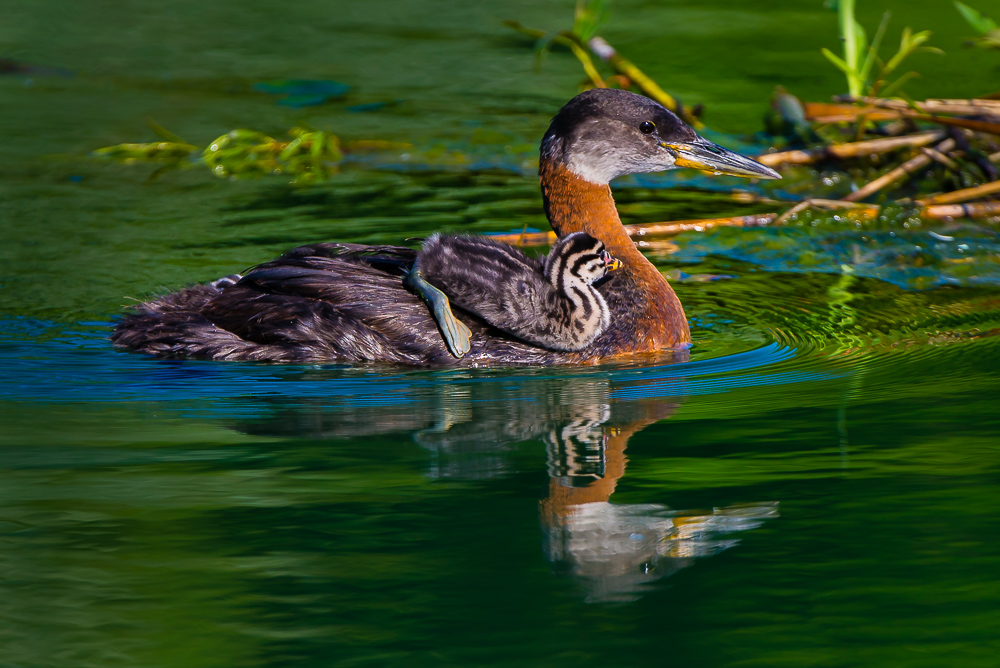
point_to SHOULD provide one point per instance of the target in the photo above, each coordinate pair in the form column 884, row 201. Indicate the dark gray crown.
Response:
column 600, row 135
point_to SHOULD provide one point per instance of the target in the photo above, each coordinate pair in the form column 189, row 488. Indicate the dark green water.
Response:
column 817, row 486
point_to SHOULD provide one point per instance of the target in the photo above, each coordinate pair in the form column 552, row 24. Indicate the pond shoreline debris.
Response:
column 854, row 212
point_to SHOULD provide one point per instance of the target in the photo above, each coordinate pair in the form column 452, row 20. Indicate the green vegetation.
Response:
column 308, row 156
column 582, row 41
column 867, row 73
column 989, row 31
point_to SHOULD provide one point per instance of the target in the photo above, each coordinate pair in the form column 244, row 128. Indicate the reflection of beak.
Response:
column 708, row 157
column 611, row 263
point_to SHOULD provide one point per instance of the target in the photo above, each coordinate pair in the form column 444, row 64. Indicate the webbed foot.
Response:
column 456, row 335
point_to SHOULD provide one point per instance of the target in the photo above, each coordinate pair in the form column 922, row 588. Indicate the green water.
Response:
column 817, row 486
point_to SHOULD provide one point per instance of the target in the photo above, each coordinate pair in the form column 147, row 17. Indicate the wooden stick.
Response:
column 933, row 211
column 833, row 113
column 898, row 174
column 967, row 123
column 855, row 212
column 678, row 226
column 801, row 206
column 936, row 211
column 833, row 204
column 940, row 157
column 647, row 229
column 933, row 106
column 526, row 238
column 963, row 195
column 974, row 210
column 851, row 150
column 824, row 112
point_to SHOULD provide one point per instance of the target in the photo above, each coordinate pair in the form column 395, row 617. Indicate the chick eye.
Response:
column 646, row 127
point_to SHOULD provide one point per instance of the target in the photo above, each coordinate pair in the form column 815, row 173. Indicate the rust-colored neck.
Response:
column 573, row 204
column 576, row 205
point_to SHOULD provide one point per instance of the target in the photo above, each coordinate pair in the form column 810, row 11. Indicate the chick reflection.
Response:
column 616, row 550
column 471, row 425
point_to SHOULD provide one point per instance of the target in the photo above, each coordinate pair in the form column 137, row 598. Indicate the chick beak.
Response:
column 611, row 263
column 708, row 157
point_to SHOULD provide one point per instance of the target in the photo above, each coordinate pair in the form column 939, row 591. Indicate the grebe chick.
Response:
column 552, row 304
column 346, row 303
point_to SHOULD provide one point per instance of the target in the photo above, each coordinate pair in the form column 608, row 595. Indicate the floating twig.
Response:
column 898, row 174
column 937, row 156
column 855, row 212
column 801, row 206
column 679, row 226
column 647, row 229
column 920, row 111
column 851, row 150
column 824, row 112
column 973, row 210
column 835, row 204
column 966, row 123
column 963, row 195
column 933, row 106
column 526, row 238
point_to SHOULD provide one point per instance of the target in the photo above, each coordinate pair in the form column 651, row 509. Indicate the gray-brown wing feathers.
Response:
column 504, row 287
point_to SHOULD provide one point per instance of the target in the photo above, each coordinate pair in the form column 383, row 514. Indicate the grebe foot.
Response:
column 456, row 335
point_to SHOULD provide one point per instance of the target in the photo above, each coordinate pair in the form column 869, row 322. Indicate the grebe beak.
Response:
column 708, row 157
column 611, row 263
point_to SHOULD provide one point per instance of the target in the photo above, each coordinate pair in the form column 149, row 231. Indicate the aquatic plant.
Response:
column 582, row 41
column 860, row 58
column 989, row 31
column 309, row 156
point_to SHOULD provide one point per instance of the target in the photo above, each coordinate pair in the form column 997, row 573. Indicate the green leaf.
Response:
column 872, row 56
column 589, row 16
column 855, row 42
column 897, row 84
column 841, row 65
column 908, row 44
column 981, row 24
column 990, row 40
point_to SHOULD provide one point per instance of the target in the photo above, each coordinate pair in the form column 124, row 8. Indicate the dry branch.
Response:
column 963, row 195
column 967, row 123
column 801, row 206
column 960, row 107
column 891, row 109
column 899, row 173
column 941, row 158
column 851, row 150
column 824, row 112
column 857, row 212
column 647, row 229
column 949, row 211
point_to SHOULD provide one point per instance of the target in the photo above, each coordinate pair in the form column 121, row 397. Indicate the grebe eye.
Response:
column 646, row 127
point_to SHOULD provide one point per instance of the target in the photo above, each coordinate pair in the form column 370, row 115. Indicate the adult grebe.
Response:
column 339, row 302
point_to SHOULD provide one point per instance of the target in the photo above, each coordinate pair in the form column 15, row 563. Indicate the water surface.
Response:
column 815, row 484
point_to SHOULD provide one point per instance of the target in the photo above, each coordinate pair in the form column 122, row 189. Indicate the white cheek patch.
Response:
column 603, row 163
column 598, row 167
